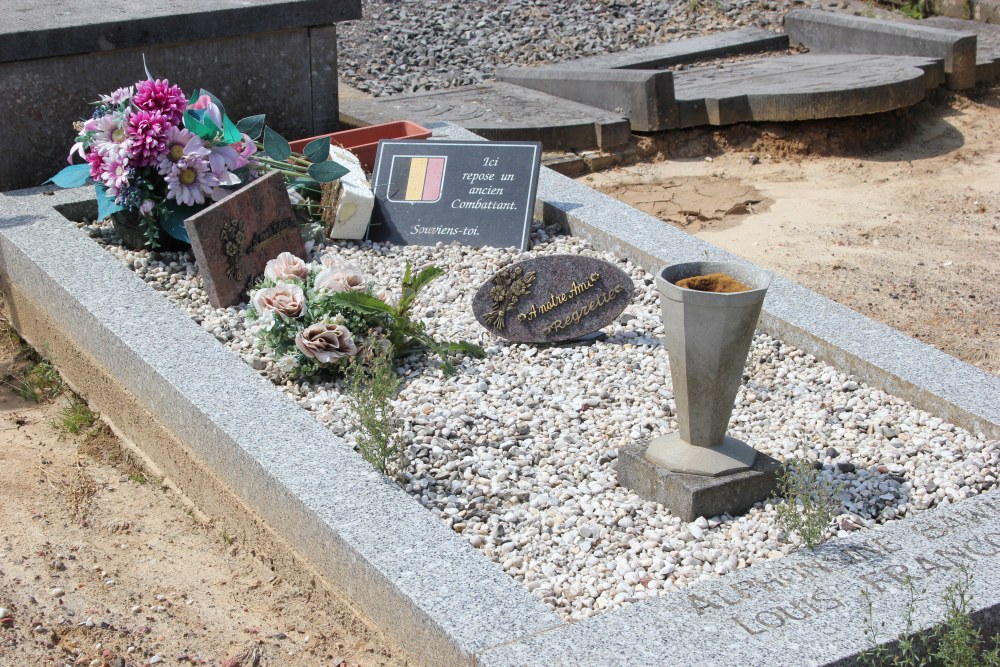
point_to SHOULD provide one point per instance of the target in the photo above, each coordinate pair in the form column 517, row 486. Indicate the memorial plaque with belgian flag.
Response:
column 479, row 193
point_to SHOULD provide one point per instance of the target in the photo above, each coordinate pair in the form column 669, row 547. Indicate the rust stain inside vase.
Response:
column 713, row 282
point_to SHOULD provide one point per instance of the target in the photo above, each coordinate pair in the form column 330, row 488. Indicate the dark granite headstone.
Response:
column 234, row 238
column 479, row 193
column 553, row 298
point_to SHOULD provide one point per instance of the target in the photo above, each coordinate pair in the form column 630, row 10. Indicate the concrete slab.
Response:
column 830, row 32
column 502, row 112
column 987, row 43
column 685, row 51
column 799, row 87
column 645, row 97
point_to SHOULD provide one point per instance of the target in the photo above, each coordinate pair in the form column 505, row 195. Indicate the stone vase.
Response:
column 708, row 336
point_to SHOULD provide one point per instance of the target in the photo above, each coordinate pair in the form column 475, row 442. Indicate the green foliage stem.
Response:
column 809, row 505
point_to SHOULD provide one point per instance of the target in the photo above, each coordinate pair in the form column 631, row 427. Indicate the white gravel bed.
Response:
column 517, row 452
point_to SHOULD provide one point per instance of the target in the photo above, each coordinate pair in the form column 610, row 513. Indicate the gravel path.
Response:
column 517, row 452
column 411, row 46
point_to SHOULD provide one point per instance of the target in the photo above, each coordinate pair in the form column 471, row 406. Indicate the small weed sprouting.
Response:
column 41, row 382
column 959, row 642
column 915, row 9
column 809, row 505
column 138, row 478
column 370, row 390
column 955, row 643
column 75, row 417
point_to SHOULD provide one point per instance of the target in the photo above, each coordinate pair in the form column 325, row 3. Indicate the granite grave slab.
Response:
column 831, row 32
column 475, row 193
column 987, row 43
column 799, row 87
column 419, row 582
column 501, row 112
column 235, row 237
column 645, row 97
column 552, row 298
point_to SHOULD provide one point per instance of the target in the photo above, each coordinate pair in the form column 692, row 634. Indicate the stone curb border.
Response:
column 422, row 584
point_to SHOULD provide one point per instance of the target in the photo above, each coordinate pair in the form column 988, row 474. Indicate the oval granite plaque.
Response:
column 553, row 298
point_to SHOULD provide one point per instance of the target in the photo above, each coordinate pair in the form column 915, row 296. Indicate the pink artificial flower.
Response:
column 96, row 160
column 338, row 280
column 326, row 342
column 114, row 169
column 116, row 98
column 190, row 180
column 180, row 142
column 148, row 131
column 160, row 96
column 146, row 208
column 211, row 109
column 286, row 266
column 247, row 148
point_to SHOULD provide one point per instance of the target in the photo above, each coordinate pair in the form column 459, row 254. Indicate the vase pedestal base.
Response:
column 690, row 496
column 673, row 453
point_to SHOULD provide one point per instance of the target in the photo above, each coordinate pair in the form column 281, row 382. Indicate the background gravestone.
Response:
column 57, row 57
column 551, row 299
column 234, row 238
column 478, row 193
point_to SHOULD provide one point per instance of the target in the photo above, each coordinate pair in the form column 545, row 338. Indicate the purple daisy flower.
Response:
column 116, row 98
column 180, row 143
column 190, row 180
column 160, row 96
column 149, row 131
column 115, row 170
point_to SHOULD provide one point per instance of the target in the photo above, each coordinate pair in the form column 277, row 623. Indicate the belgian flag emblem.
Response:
column 416, row 179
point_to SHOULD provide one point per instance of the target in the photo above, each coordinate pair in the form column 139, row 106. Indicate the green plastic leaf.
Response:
column 72, row 176
column 251, row 126
column 361, row 302
column 276, row 147
column 213, row 129
column 106, row 206
column 327, row 172
column 215, row 100
column 172, row 221
column 318, row 150
column 193, row 122
column 230, row 133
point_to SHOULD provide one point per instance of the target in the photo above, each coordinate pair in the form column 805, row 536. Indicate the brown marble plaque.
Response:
column 552, row 298
column 235, row 237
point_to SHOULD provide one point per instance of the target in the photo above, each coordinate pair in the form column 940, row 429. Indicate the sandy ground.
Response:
column 907, row 232
column 101, row 565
